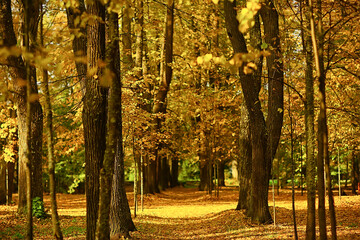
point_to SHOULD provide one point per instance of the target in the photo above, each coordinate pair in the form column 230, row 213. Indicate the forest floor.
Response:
column 186, row 213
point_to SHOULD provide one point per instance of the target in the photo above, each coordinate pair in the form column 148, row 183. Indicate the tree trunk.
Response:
column 18, row 73
column 321, row 128
column 94, row 114
column 309, row 128
column 160, row 98
column 221, row 176
column 174, row 172
column 355, row 173
column 323, row 148
column 264, row 136
column 113, row 130
column 244, row 161
column 204, row 175
column 165, row 173
column 30, row 75
column 50, row 144
column 126, row 39
column 10, row 181
column 79, row 42
column 2, row 182
column 120, row 216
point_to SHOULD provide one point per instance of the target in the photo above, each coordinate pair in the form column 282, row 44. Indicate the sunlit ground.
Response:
column 185, row 213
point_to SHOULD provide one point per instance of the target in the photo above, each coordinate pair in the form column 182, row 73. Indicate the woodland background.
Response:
column 183, row 113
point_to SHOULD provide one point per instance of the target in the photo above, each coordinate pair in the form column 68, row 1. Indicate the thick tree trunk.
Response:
column 244, row 161
column 94, row 114
column 204, row 175
column 165, row 173
column 174, row 172
column 264, row 136
column 221, row 176
column 107, row 211
column 160, row 98
column 18, row 73
column 120, row 216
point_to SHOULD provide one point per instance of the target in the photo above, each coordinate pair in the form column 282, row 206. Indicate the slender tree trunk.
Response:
column 309, row 127
column 355, row 173
column 323, row 154
column 292, row 168
column 120, row 216
column 79, row 42
column 94, row 114
column 28, row 152
column 2, row 182
column 10, row 181
column 50, row 144
column 321, row 129
column 126, row 39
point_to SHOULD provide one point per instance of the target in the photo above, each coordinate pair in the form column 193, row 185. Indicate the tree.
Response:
column 79, row 43
column 317, row 36
column 112, row 76
column 244, row 162
column 159, row 107
column 94, row 112
column 120, row 216
column 264, row 135
column 17, row 71
column 309, row 124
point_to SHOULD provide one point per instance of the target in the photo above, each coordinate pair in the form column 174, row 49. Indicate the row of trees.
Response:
column 227, row 64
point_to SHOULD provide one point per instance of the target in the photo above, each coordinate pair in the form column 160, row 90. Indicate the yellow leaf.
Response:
column 207, row 58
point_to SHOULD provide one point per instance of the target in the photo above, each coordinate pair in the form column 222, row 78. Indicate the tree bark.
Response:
column 174, row 172
column 2, row 182
column 79, row 43
column 50, row 143
column 264, row 135
column 355, row 173
column 28, row 153
column 309, row 128
column 244, row 161
column 221, row 177
column 18, row 74
column 160, row 98
column 323, row 148
column 10, row 182
column 113, row 127
column 94, row 114
column 120, row 216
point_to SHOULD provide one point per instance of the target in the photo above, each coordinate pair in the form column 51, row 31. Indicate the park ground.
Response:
column 186, row 213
